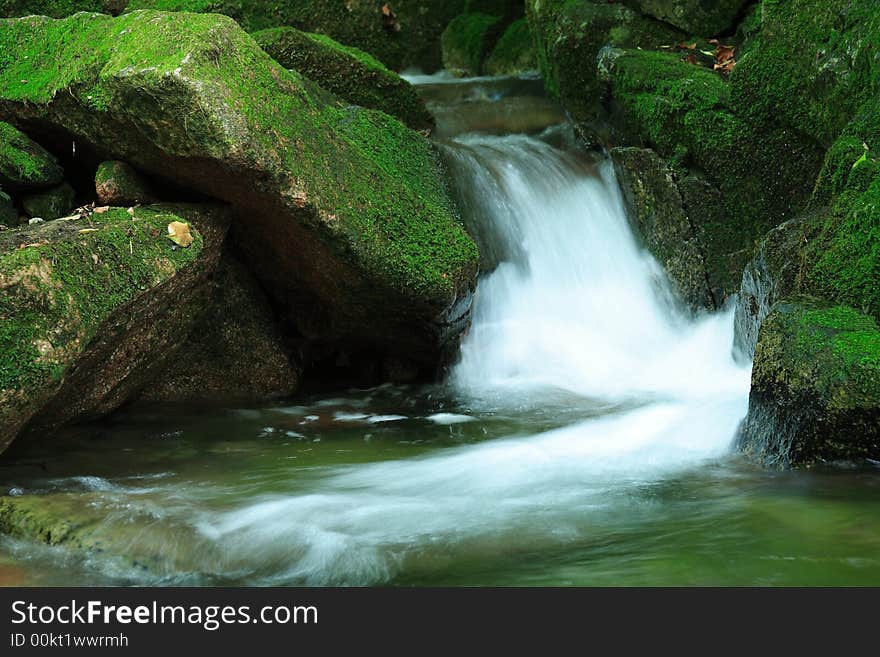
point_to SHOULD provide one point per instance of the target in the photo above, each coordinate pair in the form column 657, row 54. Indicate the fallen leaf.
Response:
column 179, row 233
column 101, row 210
column 688, row 46
column 88, row 230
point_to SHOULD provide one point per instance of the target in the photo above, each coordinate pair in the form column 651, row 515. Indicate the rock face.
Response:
column 514, row 52
column 815, row 386
column 351, row 74
column 25, row 165
column 697, row 17
column 467, row 41
column 658, row 214
column 116, row 183
column 236, row 352
column 342, row 212
column 90, row 310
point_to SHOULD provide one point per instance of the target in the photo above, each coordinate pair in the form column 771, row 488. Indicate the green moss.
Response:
column 23, row 163
column 54, row 295
column 466, row 42
column 812, row 67
column 348, row 72
column 375, row 187
column 57, row 8
column 515, row 51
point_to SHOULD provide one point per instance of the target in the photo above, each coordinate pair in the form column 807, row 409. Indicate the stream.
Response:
column 584, row 437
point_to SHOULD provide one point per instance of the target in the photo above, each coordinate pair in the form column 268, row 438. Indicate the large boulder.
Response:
column 815, row 386
column 659, row 215
column 24, row 164
column 92, row 309
column 699, row 17
column 342, row 212
column 348, row 72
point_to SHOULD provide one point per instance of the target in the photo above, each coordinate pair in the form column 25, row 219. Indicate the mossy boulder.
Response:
column 117, row 183
column 514, row 52
column 659, row 217
column 407, row 35
column 813, row 67
column 8, row 213
column 815, row 386
column 569, row 35
column 342, row 212
column 50, row 204
column 466, row 42
column 92, row 309
column 683, row 111
column 348, row 72
column 58, row 8
column 697, row 17
column 237, row 350
column 24, row 164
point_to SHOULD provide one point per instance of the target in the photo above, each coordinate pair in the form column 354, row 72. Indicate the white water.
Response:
column 581, row 310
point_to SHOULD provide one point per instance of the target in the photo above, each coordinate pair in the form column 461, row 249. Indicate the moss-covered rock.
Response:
column 659, row 216
column 697, row 17
column 58, row 8
column 341, row 211
column 25, row 164
column 91, row 309
column 408, row 35
column 8, row 213
column 812, row 69
column 514, row 52
column 466, row 42
column 236, row 352
column 569, row 34
column 50, row 204
column 683, row 111
column 117, row 183
column 815, row 386
column 351, row 74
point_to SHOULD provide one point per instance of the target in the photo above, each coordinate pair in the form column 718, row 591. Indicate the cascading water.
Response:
column 579, row 310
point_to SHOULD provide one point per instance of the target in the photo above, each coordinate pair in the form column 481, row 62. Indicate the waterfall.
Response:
column 573, row 307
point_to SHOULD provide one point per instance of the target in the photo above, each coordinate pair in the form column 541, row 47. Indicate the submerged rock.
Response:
column 815, row 386
column 467, row 41
column 236, row 351
column 342, row 212
column 50, row 204
column 92, row 309
column 24, row 164
column 116, row 183
column 351, row 74
column 659, row 216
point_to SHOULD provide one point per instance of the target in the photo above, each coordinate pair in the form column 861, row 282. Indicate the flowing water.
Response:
column 584, row 437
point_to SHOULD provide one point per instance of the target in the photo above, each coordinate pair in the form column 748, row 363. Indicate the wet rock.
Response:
column 24, row 164
column 351, row 74
column 466, row 42
column 659, row 216
column 92, row 309
column 569, row 37
column 117, row 183
column 815, row 386
column 515, row 51
column 51, row 204
column 236, row 352
column 696, row 17
column 342, row 212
